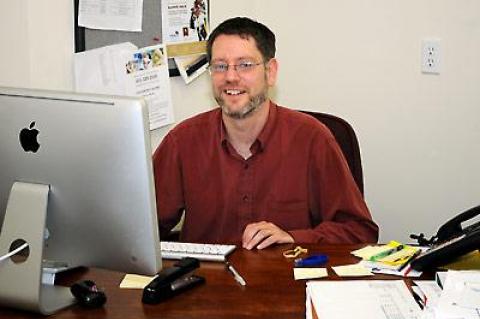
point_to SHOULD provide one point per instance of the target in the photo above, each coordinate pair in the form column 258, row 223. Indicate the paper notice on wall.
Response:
column 184, row 20
column 123, row 69
column 147, row 73
column 124, row 15
column 102, row 70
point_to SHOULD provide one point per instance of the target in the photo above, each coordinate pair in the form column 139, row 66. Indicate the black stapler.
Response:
column 171, row 281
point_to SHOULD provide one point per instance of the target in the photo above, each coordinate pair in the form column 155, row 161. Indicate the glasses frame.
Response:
column 240, row 68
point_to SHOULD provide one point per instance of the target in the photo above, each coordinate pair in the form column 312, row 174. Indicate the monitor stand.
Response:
column 21, row 281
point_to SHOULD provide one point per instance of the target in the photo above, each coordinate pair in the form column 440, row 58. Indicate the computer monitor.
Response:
column 93, row 154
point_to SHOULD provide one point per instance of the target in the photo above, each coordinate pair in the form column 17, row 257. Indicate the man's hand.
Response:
column 264, row 234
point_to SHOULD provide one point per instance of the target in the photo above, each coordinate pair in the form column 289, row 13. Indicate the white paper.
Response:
column 431, row 290
column 376, row 268
column 461, row 296
column 124, row 15
column 184, row 21
column 102, row 70
column 123, row 69
column 147, row 73
column 368, row 299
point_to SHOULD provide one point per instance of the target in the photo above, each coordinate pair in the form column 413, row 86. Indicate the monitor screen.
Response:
column 94, row 154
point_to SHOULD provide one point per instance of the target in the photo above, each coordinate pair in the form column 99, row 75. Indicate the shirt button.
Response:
column 245, row 198
column 245, row 166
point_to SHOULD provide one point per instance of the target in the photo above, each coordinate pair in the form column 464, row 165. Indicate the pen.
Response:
column 412, row 257
column 386, row 253
column 422, row 302
column 235, row 274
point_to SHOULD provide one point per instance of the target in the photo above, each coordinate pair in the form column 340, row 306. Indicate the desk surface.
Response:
column 271, row 291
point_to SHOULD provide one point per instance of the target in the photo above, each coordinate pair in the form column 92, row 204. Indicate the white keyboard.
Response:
column 207, row 252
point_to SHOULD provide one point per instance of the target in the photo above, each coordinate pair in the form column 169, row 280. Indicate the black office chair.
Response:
column 347, row 139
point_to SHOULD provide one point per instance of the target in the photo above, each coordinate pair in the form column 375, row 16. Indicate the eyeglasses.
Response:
column 242, row 67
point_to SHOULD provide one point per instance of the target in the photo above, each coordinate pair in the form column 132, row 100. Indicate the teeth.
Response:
column 233, row 92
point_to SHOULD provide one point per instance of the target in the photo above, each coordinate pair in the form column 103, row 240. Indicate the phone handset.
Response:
column 453, row 227
column 450, row 229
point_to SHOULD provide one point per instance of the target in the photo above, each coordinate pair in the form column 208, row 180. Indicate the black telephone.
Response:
column 451, row 241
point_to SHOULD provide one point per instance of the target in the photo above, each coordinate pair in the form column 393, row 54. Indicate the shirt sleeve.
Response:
column 338, row 210
column 168, row 185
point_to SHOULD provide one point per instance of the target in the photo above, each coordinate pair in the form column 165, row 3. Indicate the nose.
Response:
column 231, row 74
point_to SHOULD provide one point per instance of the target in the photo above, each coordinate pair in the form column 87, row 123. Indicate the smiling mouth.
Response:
column 233, row 92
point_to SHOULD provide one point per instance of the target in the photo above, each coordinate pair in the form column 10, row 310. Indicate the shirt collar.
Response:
column 264, row 135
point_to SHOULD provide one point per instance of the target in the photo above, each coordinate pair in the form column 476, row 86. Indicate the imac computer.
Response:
column 76, row 187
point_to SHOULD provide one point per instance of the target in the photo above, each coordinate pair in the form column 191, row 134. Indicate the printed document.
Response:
column 124, row 15
column 123, row 69
column 460, row 297
column 361, row 299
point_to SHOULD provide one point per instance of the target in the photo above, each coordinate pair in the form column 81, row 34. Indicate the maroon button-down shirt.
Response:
column 296, row 178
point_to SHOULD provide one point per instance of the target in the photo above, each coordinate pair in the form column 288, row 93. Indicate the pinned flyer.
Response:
column 123, row 69
column 124, row 15
column 147, row 75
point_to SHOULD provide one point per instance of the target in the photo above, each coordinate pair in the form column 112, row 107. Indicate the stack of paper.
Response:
column 374, row 299
column 460, row 297
column 392, row 258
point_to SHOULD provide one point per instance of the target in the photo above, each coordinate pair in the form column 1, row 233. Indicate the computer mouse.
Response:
column 87, row 294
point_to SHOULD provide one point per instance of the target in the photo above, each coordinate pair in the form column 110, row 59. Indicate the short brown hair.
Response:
column 245, row 28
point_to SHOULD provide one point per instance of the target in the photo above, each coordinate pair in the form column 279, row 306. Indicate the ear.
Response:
column 271, row 71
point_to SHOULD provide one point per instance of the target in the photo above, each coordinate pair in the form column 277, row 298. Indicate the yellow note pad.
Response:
column 400, row 257
column 309, row 273
column 131, row 281
column 354, row 270
column 369, row 251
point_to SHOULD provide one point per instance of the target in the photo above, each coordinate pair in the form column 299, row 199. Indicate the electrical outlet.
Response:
column 431, row 56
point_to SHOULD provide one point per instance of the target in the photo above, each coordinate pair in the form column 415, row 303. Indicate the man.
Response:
column 252, row 171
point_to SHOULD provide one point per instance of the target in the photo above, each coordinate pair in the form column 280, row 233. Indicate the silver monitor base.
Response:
column 21, row 281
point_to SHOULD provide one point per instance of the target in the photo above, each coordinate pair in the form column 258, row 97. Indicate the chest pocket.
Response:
column 288, row 214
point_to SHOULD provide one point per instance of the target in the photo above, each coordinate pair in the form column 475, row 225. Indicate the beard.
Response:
column 249, row 108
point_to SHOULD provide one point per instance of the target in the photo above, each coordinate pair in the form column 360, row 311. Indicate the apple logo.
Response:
column 28, row 139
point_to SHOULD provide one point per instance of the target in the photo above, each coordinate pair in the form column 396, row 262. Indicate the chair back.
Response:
column 347, row 139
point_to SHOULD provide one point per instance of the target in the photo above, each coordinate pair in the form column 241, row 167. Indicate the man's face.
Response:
column 240, row 92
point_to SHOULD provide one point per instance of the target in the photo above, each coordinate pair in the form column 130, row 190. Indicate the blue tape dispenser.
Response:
column 314, row 260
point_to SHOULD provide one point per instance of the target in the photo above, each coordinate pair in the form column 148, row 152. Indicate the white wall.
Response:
column 36, row 43
column 419, row 133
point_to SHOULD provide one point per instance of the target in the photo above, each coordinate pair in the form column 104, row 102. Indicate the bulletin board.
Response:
column 151, row 34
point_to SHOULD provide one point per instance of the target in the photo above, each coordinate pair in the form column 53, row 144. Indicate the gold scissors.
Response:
column 294, row 253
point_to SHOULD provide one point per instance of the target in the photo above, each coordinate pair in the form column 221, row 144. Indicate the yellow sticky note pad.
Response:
column 309, row 273
column 354, row 270
column 131, row 281
column 369, row 251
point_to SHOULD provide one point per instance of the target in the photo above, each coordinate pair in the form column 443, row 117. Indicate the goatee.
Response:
column 253, row 105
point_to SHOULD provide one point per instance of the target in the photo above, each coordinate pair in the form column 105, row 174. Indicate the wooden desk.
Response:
column 271, row 291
